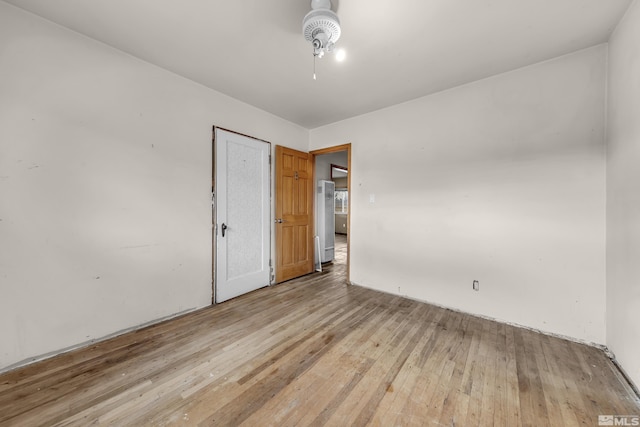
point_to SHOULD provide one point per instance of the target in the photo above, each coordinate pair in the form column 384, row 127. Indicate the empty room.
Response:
column 314, row 212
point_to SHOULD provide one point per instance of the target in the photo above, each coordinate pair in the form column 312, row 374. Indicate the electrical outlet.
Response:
column 476, row 285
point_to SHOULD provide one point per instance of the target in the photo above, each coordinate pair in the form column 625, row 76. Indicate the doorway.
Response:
column 334, row 164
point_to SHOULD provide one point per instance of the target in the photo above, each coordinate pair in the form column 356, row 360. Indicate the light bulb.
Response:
column 341, row 54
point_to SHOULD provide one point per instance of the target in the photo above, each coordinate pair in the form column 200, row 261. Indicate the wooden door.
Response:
column 294, row 213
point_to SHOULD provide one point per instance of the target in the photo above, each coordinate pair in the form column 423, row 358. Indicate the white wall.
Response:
column 501, row 180
column 324, row 162
column 623, row 196
column 105, row 179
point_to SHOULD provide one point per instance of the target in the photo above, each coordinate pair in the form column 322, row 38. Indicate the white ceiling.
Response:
column 253, row 50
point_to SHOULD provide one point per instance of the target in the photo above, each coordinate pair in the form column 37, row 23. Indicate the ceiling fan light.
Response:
column 321, row 27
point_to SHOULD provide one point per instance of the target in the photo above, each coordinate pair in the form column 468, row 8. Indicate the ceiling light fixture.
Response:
column 321, row 27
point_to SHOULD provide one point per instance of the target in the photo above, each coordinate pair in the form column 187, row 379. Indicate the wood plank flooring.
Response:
column 315, row 351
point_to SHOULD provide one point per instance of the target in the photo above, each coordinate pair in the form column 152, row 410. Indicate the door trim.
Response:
column 344, row 147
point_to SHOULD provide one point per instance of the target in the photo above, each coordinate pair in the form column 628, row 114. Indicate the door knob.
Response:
column 224, row 228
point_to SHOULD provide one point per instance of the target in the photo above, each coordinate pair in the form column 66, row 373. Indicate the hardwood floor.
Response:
column 314, row 351
column 340, row 251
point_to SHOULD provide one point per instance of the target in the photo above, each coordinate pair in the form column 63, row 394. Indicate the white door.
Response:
column 242, row 215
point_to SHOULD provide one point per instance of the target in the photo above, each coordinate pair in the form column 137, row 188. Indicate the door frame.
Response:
column 328, row 150
column 214, row 240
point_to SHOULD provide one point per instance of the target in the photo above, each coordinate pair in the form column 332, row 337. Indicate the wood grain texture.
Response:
column 294, row 213
column 314, row 351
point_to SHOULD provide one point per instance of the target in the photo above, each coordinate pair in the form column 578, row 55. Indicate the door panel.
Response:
column 303, row 196
column 242, row 214
column 294, row 206
column 303, row 232
column 288, row 244
column 287, row 196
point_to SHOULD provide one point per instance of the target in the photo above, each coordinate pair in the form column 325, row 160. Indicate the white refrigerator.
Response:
column 326, row 220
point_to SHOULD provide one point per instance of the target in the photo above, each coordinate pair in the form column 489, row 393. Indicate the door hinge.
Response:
column 270, row 263
column 269, row 158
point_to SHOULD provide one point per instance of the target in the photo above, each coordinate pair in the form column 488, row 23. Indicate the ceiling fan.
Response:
column 321, row 27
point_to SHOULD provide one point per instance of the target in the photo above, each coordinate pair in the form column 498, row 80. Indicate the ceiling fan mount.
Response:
column 321, row 27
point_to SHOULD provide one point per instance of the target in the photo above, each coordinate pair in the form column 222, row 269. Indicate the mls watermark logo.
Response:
column 618, row 420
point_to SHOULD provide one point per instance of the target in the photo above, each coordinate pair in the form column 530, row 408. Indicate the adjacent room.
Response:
column 313, row 212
